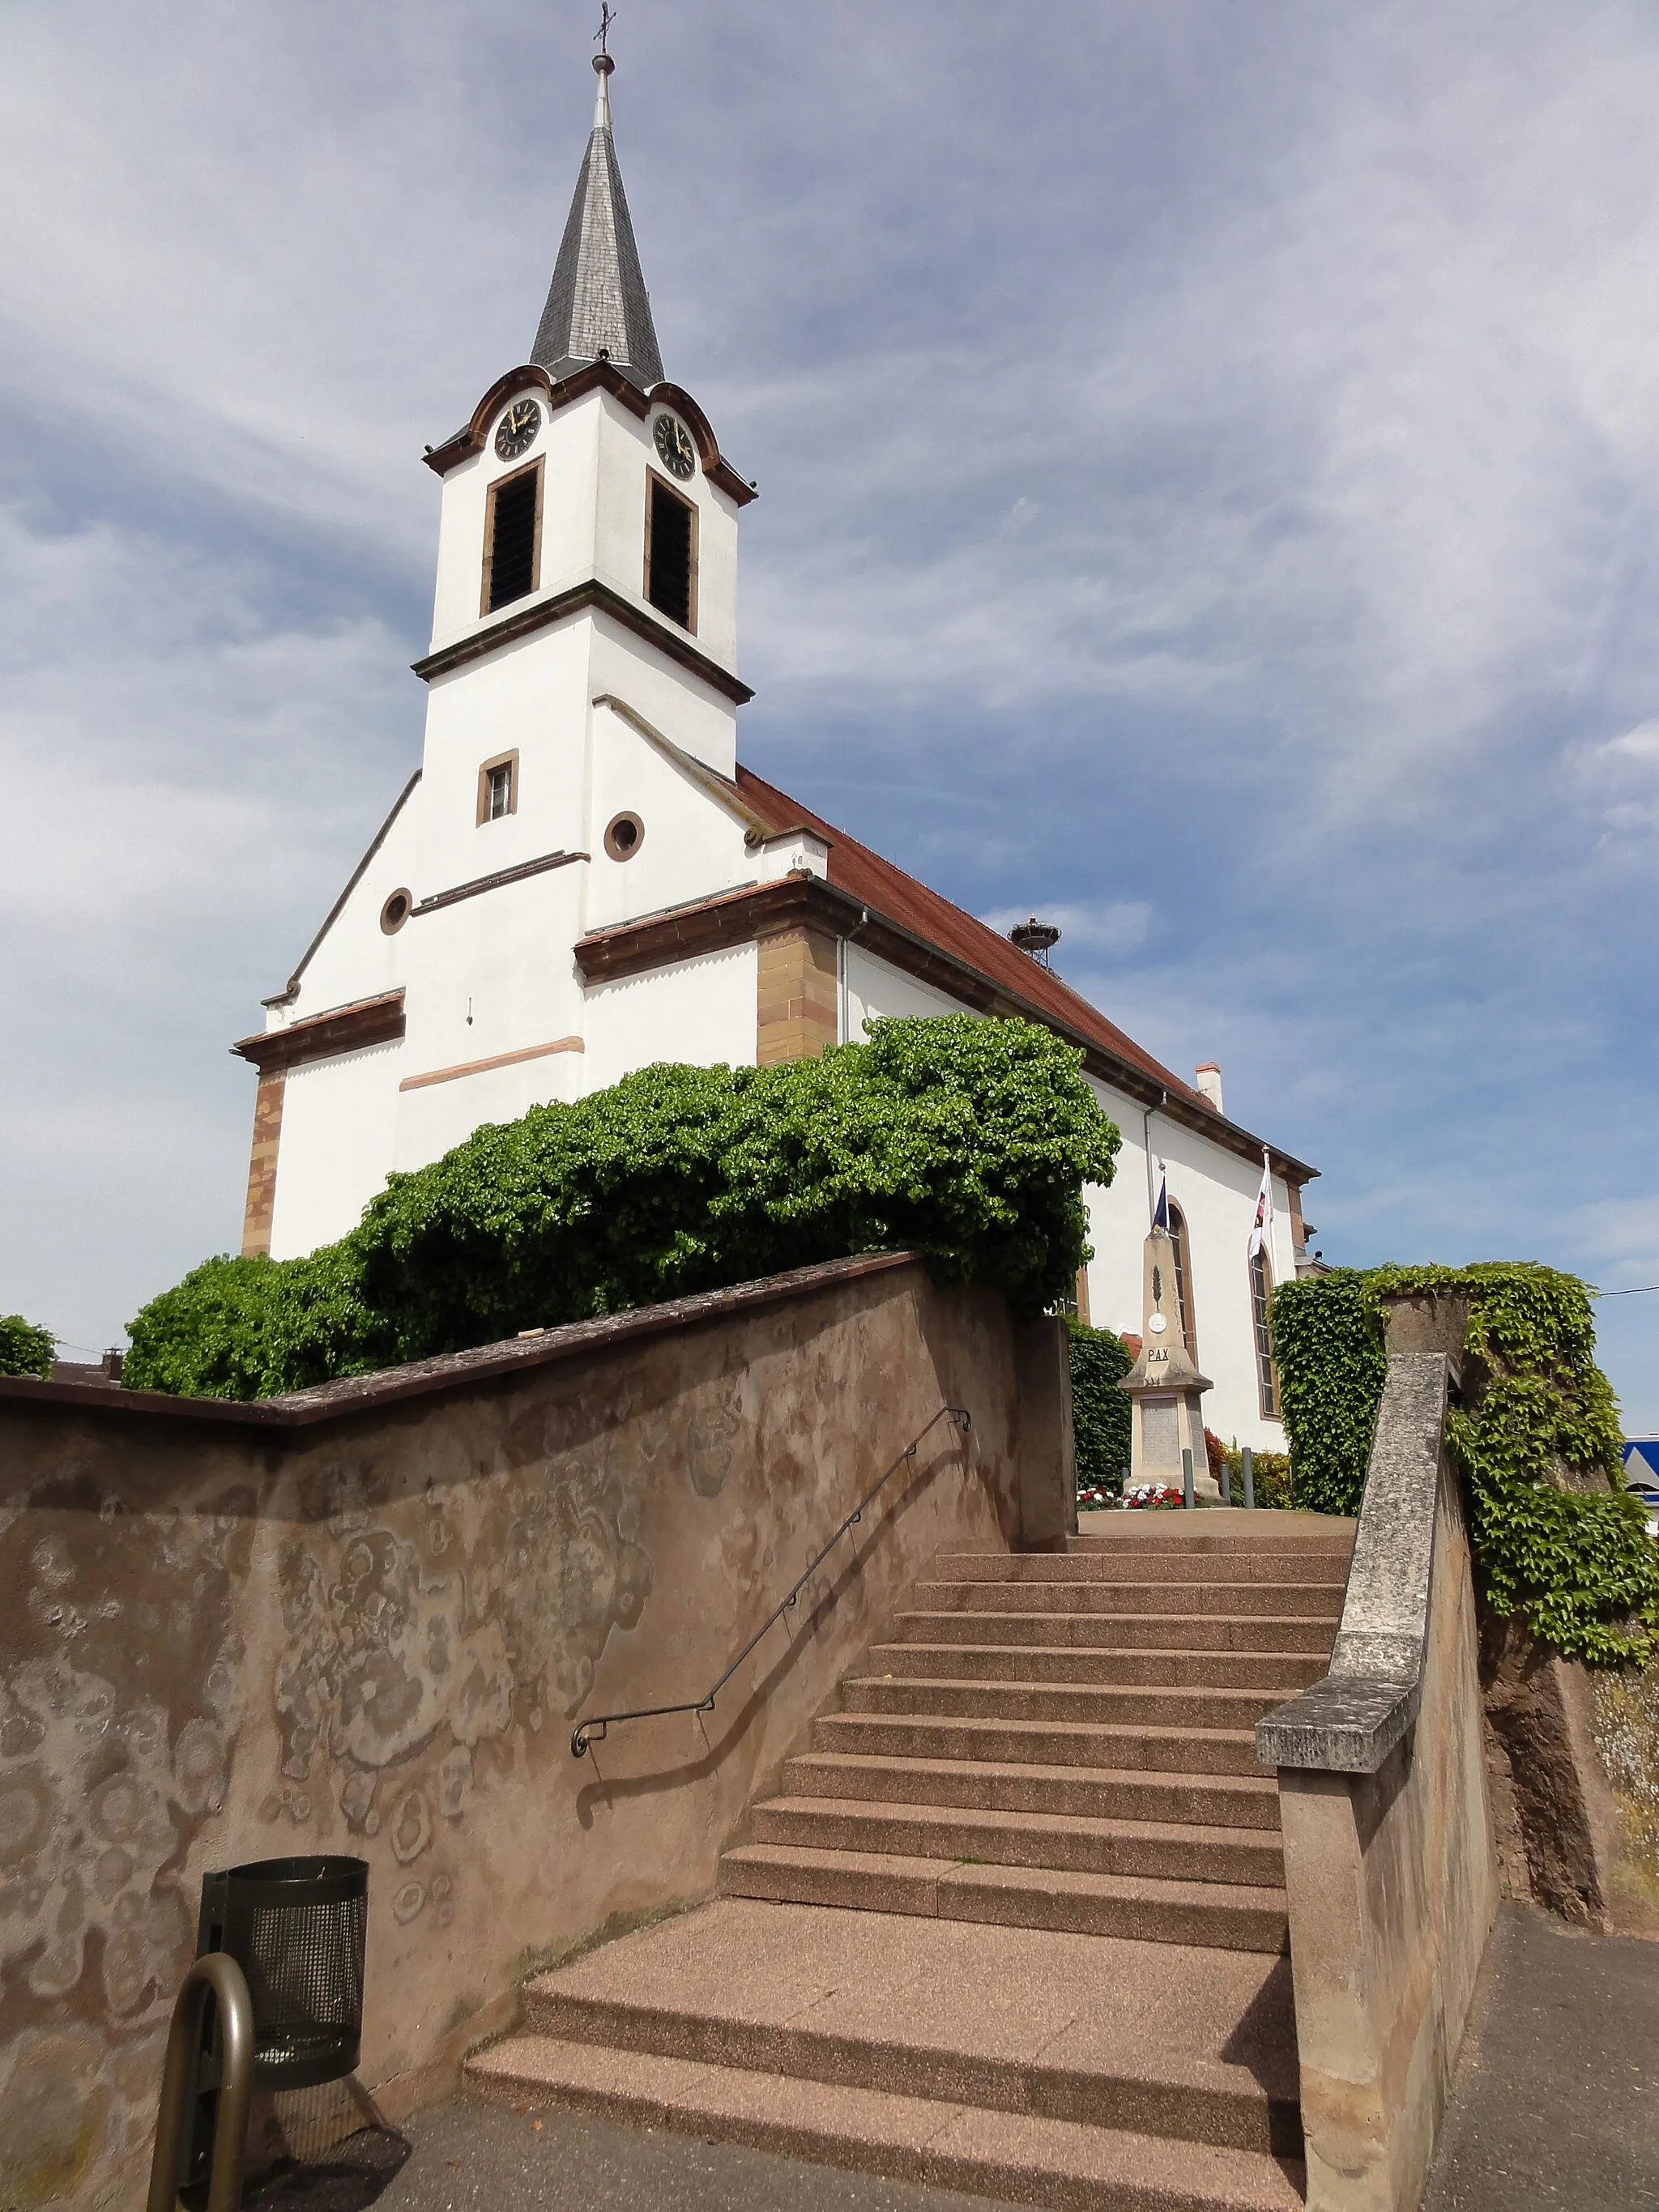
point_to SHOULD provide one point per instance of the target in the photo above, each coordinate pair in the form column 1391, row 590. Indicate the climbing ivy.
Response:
column 1557, row 1537
column 1101, row 1413
column 1328, row 1347
column 968, row 1141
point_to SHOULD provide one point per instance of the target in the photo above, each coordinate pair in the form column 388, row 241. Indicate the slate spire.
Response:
column 597, row 302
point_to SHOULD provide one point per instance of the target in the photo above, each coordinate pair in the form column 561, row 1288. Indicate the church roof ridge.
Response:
column 927, row 914
column 597, row 307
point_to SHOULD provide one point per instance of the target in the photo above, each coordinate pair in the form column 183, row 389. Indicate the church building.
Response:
column 581, row 877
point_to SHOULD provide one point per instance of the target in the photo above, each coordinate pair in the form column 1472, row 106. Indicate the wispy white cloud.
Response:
column 1210, row 484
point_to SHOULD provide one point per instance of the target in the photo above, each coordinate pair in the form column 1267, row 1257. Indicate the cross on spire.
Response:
column 607, row 18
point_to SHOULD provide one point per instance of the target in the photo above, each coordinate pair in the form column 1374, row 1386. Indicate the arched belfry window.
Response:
column 1261, row 1298
column 1183, row 1274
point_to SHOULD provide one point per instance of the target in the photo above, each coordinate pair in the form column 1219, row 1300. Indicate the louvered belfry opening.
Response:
column 513, row 538
column 668, row 584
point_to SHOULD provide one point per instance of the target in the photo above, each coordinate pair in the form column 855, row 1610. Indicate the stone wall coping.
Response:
column 298, row 1410
column 1349, row 1722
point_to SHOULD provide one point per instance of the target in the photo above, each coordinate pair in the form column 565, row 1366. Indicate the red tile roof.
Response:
column 888, row 891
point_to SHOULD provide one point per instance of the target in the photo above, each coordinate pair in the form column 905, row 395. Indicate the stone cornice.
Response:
column 526, row 621
column 277, row 1418
column 320, row 1036
column 598, row 376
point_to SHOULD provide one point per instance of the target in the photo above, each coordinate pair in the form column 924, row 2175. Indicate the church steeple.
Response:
column 597, row 302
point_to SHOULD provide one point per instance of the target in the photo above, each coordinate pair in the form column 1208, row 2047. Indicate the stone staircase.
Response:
column 1016, row 1922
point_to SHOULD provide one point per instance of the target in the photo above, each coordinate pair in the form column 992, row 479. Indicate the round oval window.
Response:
column 624, row 836
column 395, row 912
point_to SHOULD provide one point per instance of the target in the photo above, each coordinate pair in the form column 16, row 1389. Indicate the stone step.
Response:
column 1204, row 1531
column 1284, row 1673
column 1120, row 1632
column 1059, row 2163
column 1246, row 1857
column 1225, row 1800
column 932, row 2017
column 1285, row 1601
column 1116, row 1706
column 1217, row 1916
column 1046, row 1743
column 1136, row 1563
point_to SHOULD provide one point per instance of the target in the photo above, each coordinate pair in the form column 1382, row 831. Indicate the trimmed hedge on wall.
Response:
column 968, row 1141
column 1101, row 1414
column 1557, row 1537
column 24, row 1349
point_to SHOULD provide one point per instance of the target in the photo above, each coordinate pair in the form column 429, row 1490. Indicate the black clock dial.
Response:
column 679, row 455
column 519, row 426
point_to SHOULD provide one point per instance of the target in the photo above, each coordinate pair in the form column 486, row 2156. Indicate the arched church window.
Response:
column 1262, row 1295
column 1183, row 1274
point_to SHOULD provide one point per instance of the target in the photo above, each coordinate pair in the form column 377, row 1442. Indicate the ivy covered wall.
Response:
column 1556, row 1538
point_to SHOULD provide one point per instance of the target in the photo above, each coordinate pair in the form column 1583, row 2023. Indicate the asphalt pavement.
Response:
column 1556, row 2099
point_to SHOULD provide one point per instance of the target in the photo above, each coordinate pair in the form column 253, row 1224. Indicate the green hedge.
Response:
column 969, row 1141
column 24, row 1349
column 1576, row 1564
column 1101, row 1413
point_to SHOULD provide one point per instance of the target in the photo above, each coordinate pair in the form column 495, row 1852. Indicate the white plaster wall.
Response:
column 439, row 1115
column 873, row 988
column 673, row 700
column 339, row 1116
column 493, row 973
column 692, row 847
column 356, row 959
column 702, row 1012
column 1118, row 1220
column 626, row 449
column 1217, row 1192
column 532, row 696
column 567, row 444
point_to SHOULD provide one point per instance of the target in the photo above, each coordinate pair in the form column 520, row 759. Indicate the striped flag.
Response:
column 1261, row 1231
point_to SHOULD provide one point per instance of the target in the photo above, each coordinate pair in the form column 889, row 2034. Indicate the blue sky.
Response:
column 1209, row 459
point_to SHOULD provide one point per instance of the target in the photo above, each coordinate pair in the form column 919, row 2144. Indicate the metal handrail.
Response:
column 596, row 1729
column 215, row 1975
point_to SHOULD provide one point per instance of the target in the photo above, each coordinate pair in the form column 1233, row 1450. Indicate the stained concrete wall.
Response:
column 364, row 1618
column 1391, row 1878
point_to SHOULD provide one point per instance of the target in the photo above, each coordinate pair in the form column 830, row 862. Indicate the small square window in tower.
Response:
column 511, row 538
column 671, row 553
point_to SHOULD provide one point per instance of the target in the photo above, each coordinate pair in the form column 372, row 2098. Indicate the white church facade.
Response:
column 581, row 877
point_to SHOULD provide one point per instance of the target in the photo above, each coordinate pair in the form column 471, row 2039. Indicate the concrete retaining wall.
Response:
column 364, row 1620
column 1389, row 1855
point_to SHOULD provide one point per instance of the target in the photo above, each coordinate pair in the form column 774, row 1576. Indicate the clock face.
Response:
column 519, row 426
column 679, row 455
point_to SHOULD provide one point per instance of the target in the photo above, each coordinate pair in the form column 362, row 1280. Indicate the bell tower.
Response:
column 579, row 763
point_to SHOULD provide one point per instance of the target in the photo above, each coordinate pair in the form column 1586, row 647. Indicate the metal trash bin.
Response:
column 296, row 1927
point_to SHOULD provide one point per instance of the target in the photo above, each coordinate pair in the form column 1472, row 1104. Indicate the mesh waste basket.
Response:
column 296, row 1929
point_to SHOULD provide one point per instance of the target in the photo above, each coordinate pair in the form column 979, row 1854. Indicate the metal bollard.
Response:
column 217, row 1974
column 1227, row 1483
column 1249, row 1480
column 1187, row 1480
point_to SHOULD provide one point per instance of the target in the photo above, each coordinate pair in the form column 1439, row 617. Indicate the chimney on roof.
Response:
column 1037, row 937
column 1208, row 1080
